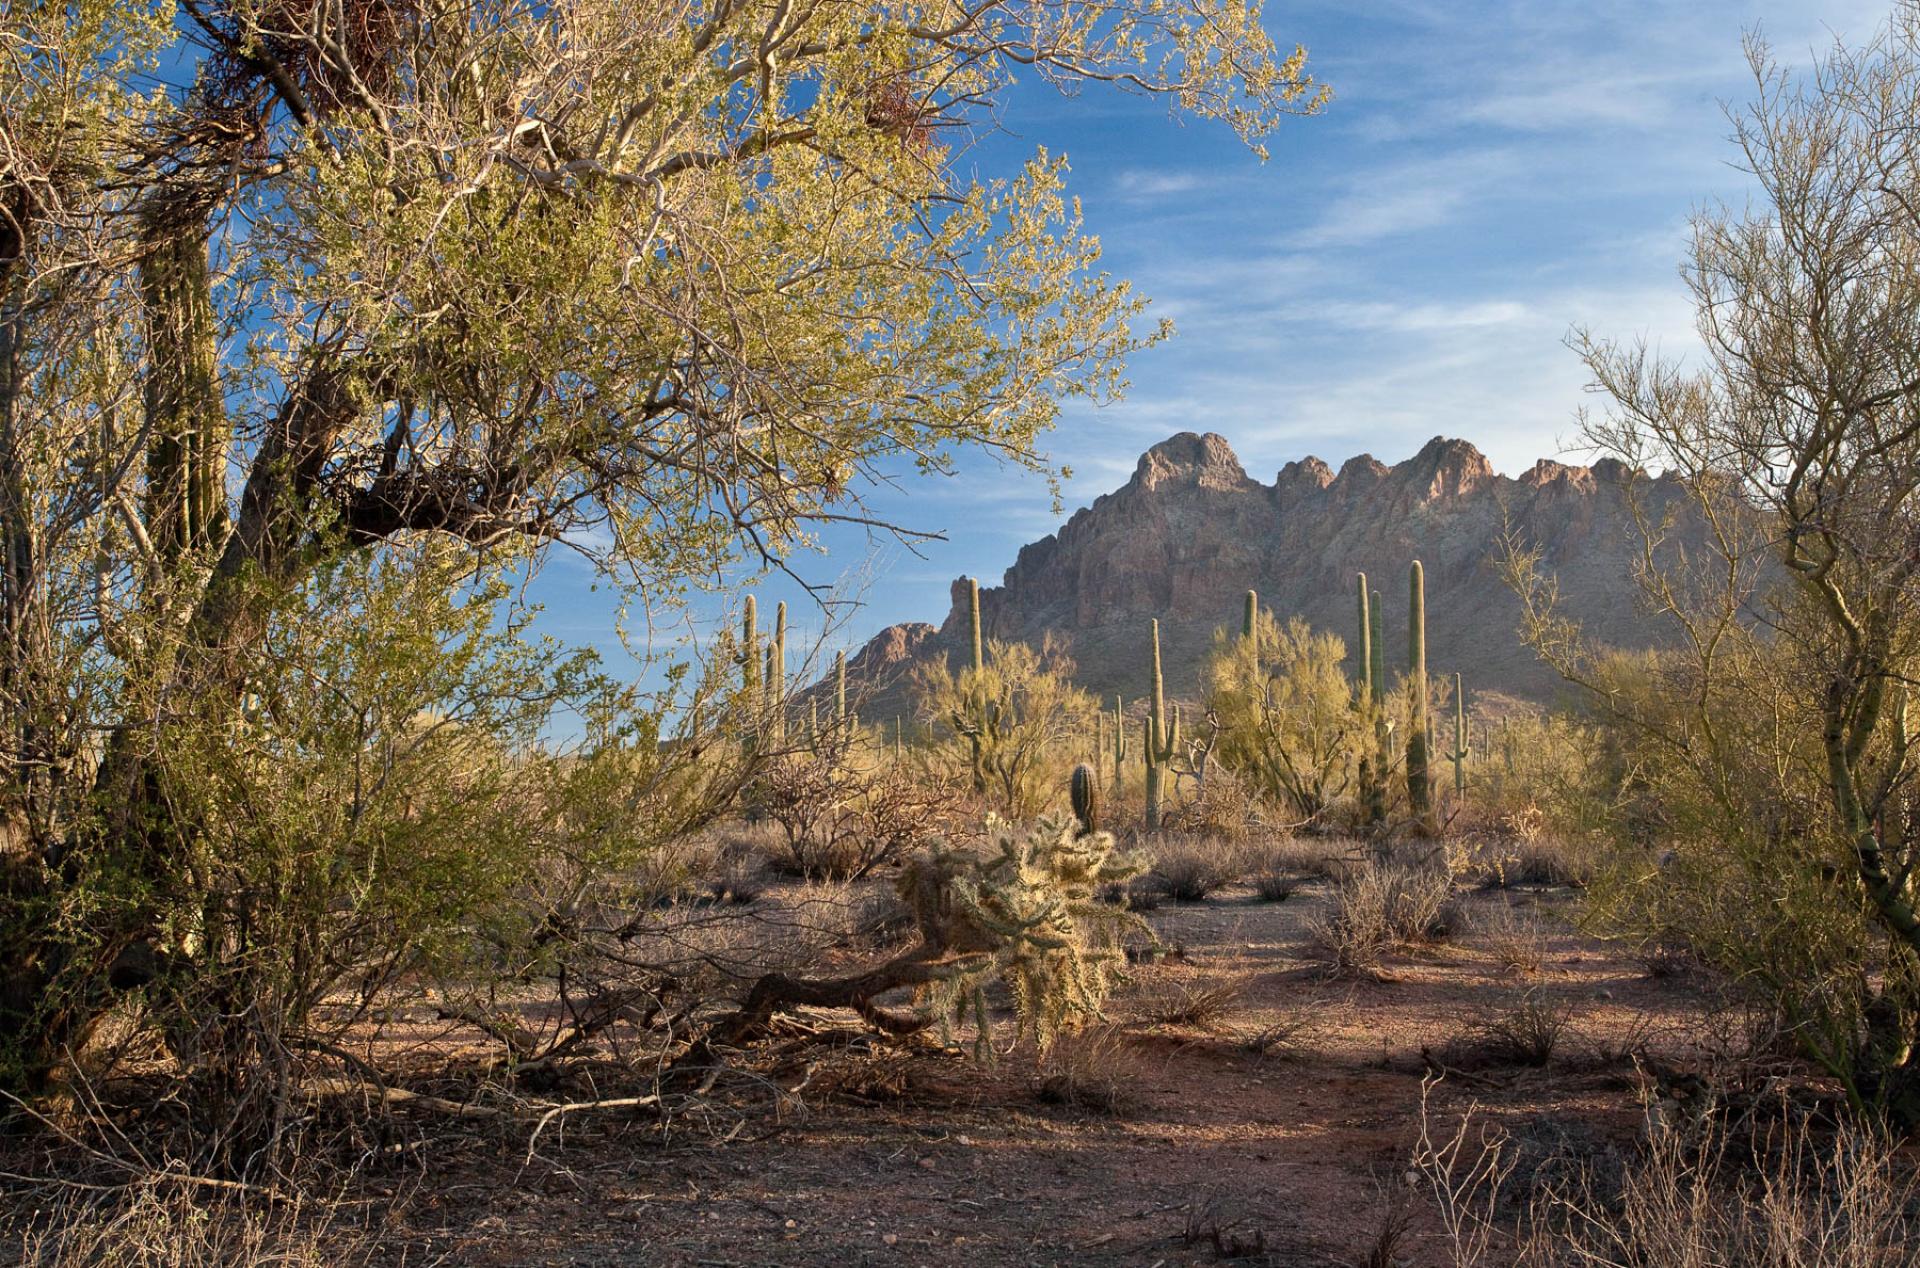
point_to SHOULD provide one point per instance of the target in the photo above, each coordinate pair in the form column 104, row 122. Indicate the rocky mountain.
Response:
column 1191, row 532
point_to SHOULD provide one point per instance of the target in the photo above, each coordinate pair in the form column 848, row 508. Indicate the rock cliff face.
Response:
column 1191, row 532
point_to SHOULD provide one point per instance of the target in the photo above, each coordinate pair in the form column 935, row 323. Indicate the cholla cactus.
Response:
column 1023, row 908
column 1162, row 738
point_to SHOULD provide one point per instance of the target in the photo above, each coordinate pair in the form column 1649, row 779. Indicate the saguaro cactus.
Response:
column 1377, row 695
column 1250, row 623
column 840, row 694
column 777, row 671
column 1419, row 779
column 1459, row 754
column 750, row 651
column 1119, row 743
column 1365, row 701
column 1086, row 798
column 1162, row 738
column 974, row 727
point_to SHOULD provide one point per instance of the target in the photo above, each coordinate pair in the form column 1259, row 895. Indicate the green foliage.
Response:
column 1286, row 715
column 1015, row 719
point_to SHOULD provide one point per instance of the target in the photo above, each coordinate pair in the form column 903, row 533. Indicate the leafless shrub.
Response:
column 1189, row 868
column 1525, row 1035
column 166, row 1221
column 1316, row 858
column 1221, row 806
column 1817, row 1200
column 839, row 821
column 1464, row 1172
column 1515, row 936
column 1396, row 1221
column 1662, row 960
column 1378, row 906
column 1275, row 887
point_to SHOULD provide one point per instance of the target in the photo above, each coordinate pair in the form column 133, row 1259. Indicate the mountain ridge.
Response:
column 1190, row 532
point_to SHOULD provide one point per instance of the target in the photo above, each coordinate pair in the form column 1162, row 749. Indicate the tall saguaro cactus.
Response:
column 1364, row 703
column 1373, row 649
column 186, row 420
column 1419, row 778
column 1250, row 623
column 840, row 695
column 975, row 726
column 1162, row 738
column 777, row 671
column 750, row 651
column 1460, row 751
column 1119, row 744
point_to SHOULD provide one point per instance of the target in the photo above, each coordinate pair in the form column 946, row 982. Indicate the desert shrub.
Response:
column 1189, row 868
column 1515, row 936
column 1814, row 1200
column 1536, row 774
column 1286, row 1037
column 1221, row 804
column 1531, row 858
column 1526, row 1034
column 1009, row 727
column 1378, row 906
column 841, row 818
column 1285, row 710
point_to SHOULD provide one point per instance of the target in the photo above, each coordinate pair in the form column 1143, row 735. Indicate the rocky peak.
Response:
column 1190, row 459
column 1444, row 469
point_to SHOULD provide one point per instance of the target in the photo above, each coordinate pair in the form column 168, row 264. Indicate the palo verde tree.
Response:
column 659, row 282
column 1776, row 738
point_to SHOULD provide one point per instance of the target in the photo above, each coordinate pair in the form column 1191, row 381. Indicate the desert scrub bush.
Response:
column 1526, row 1034
column 1515, row 936
column 1378, row 906
column 1009, row 725
column 1275, row 887
column 1286, row 716
column 1534, row 859
column 1217, row 804
column 1189, row 868
column 840, row 818
column 1803, row 1197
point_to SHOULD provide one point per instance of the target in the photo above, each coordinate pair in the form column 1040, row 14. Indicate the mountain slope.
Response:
column 1191, row 532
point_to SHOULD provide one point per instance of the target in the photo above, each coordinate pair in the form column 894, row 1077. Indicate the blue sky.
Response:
column 1406, row 264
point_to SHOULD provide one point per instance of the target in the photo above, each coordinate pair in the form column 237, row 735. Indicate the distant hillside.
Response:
column 1191, row 532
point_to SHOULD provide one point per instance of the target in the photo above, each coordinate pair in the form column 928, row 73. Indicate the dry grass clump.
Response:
column 1379, row 906
column 1527, row 1034
column 1314, row 858
column 1189, row 868
column 1286, row 1037
column 1814, row 1200
column 1275, row 887
column 1192, row 1005
column 1088, row 1070
column 163, row 1221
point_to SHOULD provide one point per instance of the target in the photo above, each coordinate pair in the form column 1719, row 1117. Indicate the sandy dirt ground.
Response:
column 1216, row 1149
